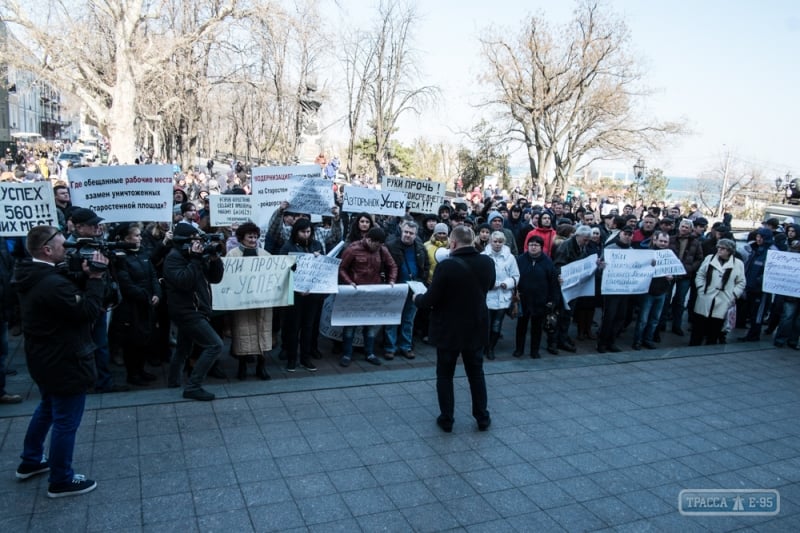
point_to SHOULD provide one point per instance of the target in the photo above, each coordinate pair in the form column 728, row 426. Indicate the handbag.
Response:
column 550, row 321
column 513, row 308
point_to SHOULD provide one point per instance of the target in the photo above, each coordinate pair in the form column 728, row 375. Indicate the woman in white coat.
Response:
column 720, row 281
column 498, row 299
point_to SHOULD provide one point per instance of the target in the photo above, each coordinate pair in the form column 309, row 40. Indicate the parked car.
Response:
column 88, row 154
column 70, row 159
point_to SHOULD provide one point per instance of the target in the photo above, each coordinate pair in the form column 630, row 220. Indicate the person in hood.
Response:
column 64, row 371
column 756, row 300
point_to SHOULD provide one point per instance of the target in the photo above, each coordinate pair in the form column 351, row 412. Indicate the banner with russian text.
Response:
column 25, row 205
column 316, row 274
column 254, row 282
column 369, row 305
column 300, row 185
column 577, row 278
column 124, row 193
column 627, row 271
column 423, row 196
column 373, row 201
column 229, row 209
column 781, row 273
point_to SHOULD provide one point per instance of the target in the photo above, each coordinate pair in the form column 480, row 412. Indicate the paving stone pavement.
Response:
column 585, row 442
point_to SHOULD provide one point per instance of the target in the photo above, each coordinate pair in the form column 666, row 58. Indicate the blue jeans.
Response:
column 406, row 329
column 63, row 413
column 101, row 354
column 650, row 308
column 3, row 355
column 789, row 327
column 348, row 332
column 195, row 330
column 496, row 317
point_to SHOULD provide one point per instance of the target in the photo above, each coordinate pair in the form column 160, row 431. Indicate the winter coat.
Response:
column 362, row 266
column 538, row 283
column 398, row 251
column 712, row 299
column 754, row 266
column 187, row 277
column 251, row 329
column 57, row 319
column 568, row 252
column 692, row 253
column 7, row 298
column 132, row 320
column 505, row 271
column 459, row 317
column 430, row 248
column 548, row 235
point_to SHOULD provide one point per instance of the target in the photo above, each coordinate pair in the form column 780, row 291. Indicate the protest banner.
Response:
column 124, row 193
column 423, row 196
column 667, row 264
column 335, row 332
column 25, row 205
column 299, row 185
column 369, row 305
column 781, row 273
column 627, row 271
column 578, row 278
column 362, row 199
column 254, row 282
column 316, row 274
column 229, row 209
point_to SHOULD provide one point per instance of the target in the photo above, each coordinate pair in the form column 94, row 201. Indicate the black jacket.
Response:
column 538, row 283
column 398, row 251
column 133, row 318
column 57, row 318
column 457, row 298
column 187, row 278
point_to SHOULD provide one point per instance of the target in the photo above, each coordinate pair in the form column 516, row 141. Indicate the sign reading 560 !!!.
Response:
column 25, row 205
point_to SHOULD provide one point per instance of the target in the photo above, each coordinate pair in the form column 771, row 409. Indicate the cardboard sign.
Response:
column 627, row 271
column 362, row 199
column 781, row 273
column 25, row 205
column 369, row 305
column 254, row 282
column 229, row 209
column 423, row 196
column 316, row 274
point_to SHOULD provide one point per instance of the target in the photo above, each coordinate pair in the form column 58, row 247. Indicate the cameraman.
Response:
column 188, row 270
column 87, row 226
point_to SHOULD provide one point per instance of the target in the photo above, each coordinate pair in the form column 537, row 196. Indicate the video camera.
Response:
column 212, row 242
column 84, row 248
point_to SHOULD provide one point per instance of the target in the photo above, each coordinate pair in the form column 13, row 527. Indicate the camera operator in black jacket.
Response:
column 189, row 269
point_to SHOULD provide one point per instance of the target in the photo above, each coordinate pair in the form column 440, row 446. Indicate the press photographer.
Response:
column 192, row 264
column 87, row 238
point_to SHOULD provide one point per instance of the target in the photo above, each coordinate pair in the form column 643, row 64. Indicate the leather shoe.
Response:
column 446, row 425
column 516, row 353
column 678, row 331
column 552, row 350
column 649, row 345
column 636, row 346
column 198, row 394
column 567, row 347
column 614, row 348
column 601, row 349
column 657, row 337
column 483, row 425
column 535, row 355
column 388, row 356
column 216, row 372
column 408, row 354
column 10, row 398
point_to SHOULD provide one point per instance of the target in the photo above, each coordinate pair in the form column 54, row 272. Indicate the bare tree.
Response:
column 729, row 186
column 569, row 94
column 104, row 51
column 357, row 56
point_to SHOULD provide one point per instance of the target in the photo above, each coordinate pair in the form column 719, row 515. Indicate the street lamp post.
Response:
column 638, row 173
column 784, row 184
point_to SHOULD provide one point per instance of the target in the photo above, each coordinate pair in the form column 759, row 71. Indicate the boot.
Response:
column 261, row 370
column 242, row 372
column 494, row 336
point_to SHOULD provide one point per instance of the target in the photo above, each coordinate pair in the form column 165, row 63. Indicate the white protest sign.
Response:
column 254, row 282
column 300, row 185
column 124, row 193
column 417, row 287
column 369, row 305
column 667, row 264
column 578, row 278
column 316, row 274
column 423, row 196
column 781, row 273
column 335, row 332
column 358, row 199
column 229, row 209
column 25, row 205
column 627, row 271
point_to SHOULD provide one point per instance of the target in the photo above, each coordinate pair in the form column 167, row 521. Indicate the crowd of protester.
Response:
column 528, row 243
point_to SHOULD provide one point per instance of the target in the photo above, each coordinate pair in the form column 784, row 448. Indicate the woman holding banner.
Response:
column 251, row 329
column 304, row 314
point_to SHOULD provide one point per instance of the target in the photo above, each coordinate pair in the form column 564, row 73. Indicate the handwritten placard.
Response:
column 369, row 305
column 626, row 271
column 25, row 205
column 229, row 209
column 667, row 264
column 423, row 196
column 335, row 332
column 578, row 278
column 254, row 282
column 782, row 273
column 316, row 274
column 299, row 185
column 124, row 193
column 362, row 199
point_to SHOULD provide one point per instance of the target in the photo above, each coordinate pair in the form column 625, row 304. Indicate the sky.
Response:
column 728, row 68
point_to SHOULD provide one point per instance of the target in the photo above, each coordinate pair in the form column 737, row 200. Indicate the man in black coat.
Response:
column 57, row 318
column 188, row 273
column 538, row 289
column 460, row 323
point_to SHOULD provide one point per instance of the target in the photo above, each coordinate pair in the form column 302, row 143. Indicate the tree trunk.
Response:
column 121, row 119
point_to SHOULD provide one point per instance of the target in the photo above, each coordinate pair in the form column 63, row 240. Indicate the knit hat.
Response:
column 441, row 227
column 184, row 230
column 727, row 243
column 493, row 215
